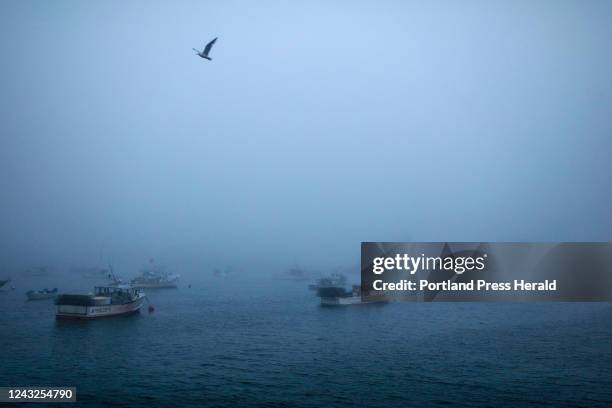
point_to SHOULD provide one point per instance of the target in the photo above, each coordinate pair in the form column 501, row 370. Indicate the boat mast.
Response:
column 111, row 274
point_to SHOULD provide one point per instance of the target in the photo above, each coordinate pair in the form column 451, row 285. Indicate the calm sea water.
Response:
column 268, row 343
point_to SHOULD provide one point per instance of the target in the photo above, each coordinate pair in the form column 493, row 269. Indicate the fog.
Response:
column 317, row 125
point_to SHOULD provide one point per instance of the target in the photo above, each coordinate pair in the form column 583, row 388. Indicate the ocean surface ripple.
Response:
column 269, row 343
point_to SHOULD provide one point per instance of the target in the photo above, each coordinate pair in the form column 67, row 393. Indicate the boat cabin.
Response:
column 119, row 291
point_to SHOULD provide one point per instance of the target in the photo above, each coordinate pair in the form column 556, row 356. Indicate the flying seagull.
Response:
column 204, row 54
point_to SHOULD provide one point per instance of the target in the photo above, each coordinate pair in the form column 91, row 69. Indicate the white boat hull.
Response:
column 98, row 311
column 341, row 301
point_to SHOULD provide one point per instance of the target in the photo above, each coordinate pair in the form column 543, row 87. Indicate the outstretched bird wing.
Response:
column 209, row 46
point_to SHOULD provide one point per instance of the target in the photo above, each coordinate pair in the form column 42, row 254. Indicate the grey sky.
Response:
column 317, row 125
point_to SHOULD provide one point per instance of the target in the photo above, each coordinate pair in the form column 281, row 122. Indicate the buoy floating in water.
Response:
column 151, row 308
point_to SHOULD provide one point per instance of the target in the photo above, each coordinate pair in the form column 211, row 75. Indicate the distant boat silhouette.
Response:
column 206, row 51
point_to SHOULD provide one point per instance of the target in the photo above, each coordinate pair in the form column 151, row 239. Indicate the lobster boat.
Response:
column 106, row 301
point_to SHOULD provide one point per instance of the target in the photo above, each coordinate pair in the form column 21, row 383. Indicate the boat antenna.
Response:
column 111, row 274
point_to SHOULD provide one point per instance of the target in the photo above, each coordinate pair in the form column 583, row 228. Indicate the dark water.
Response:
column 266, row 342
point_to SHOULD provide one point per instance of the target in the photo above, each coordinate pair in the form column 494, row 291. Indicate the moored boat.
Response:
column 339, row 296
column 106, row 301
column 154, row 280
column 335, row 279
column 223, row 273
column 294, row 274
column 41, row 294
column 155, row 276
